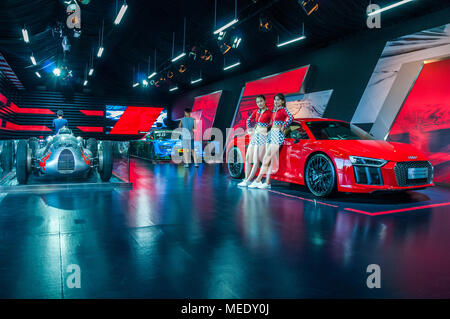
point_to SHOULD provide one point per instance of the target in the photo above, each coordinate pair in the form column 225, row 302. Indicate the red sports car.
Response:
column 328, row 155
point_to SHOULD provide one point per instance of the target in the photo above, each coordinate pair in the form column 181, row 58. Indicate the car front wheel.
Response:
column 235, row 163
column 320, row 175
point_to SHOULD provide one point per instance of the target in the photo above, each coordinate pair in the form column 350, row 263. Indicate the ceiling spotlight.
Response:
column 207, row 56
column 57, row 71
column 309, row 6
column 91, row 71
column 33, row 60
column 224, row 48
column 135, row 84
column 169, row 75
column 25, row 35
column 38, row 74
column 265, row 25
column 182, row 68
column 226, row 26
column 100, row 52
column 291, row 41
column 221, row 35
column 85, row 82
column 179, row 57
column 121, row 13
column 236, row 41
column 174, row 89
column 196, row 81
column 151, row 75
column 389, row 7
column 231, row 66
column 145, row 83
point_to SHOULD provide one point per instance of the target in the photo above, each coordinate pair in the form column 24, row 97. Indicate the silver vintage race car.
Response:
column 63, row 155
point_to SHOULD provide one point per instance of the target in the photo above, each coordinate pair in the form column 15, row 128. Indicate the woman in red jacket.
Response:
column 281, row 119
column 257, row 146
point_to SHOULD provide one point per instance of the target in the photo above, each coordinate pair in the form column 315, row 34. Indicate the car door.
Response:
column 292, row 153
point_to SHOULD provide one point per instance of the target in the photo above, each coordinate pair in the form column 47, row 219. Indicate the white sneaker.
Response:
column 244, row 183
column 255, row 185
column 264, row 186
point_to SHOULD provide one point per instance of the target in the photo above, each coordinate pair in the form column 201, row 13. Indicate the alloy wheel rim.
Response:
column 320, row 175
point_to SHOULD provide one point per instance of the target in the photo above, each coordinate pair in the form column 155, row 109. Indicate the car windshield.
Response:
column 163, row 135
column 334, row 130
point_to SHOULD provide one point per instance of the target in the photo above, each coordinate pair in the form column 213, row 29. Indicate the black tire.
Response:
column 92, row 146
column 320, row 175
column 235, row 163
column 106, row 160
column 21, row 162
column 7, row 156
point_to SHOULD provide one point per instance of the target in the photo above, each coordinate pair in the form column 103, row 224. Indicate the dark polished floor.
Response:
column 191, row 233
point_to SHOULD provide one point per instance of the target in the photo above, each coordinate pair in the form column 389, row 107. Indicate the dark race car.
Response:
column 63, row 155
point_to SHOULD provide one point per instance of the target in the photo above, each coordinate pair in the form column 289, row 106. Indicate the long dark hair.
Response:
column 281, row 97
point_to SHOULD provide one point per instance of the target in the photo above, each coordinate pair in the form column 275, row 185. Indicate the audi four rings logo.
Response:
column 412, row 157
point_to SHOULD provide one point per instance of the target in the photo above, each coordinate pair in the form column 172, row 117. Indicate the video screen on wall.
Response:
column 132, row 120
column 310, row 105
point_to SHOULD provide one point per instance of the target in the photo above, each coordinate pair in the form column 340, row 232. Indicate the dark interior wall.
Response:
column 9, row 92
column 345, row 66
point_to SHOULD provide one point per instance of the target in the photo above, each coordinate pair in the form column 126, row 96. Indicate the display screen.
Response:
column 161, row 121
column 207, row 104
column 424, row 120
column 287, row 83
column 310, row 105
column 130, row 120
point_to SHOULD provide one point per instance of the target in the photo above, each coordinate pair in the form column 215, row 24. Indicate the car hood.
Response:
column 390, row 151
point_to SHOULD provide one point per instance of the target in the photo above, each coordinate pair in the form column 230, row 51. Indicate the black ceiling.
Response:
column 149, row 25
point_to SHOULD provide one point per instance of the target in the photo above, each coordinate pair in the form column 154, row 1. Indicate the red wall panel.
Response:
column 424, row 120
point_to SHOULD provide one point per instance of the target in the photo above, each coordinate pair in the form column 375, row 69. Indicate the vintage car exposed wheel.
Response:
column 6, row 155
column 92, row 145
column 320, row 175
column 105, row 159
column 34, row 145
column 235, row 163
column 23, row 161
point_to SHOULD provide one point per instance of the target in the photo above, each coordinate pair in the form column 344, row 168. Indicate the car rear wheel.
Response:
column 320, row 175
column 6, row 154
column 22, row 162
column 235, row 163
column 34, row 145
column 105, row 158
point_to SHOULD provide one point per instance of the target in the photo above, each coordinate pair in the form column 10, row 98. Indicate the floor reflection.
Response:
column 192, row 233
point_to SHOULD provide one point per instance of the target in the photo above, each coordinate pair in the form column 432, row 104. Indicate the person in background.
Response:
column 188, row 125
column 59, row 122
column 255, row 152
column 281, row 119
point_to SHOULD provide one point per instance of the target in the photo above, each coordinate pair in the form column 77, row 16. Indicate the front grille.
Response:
column 401, row 173
column 66, row 162
column 367, row 175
